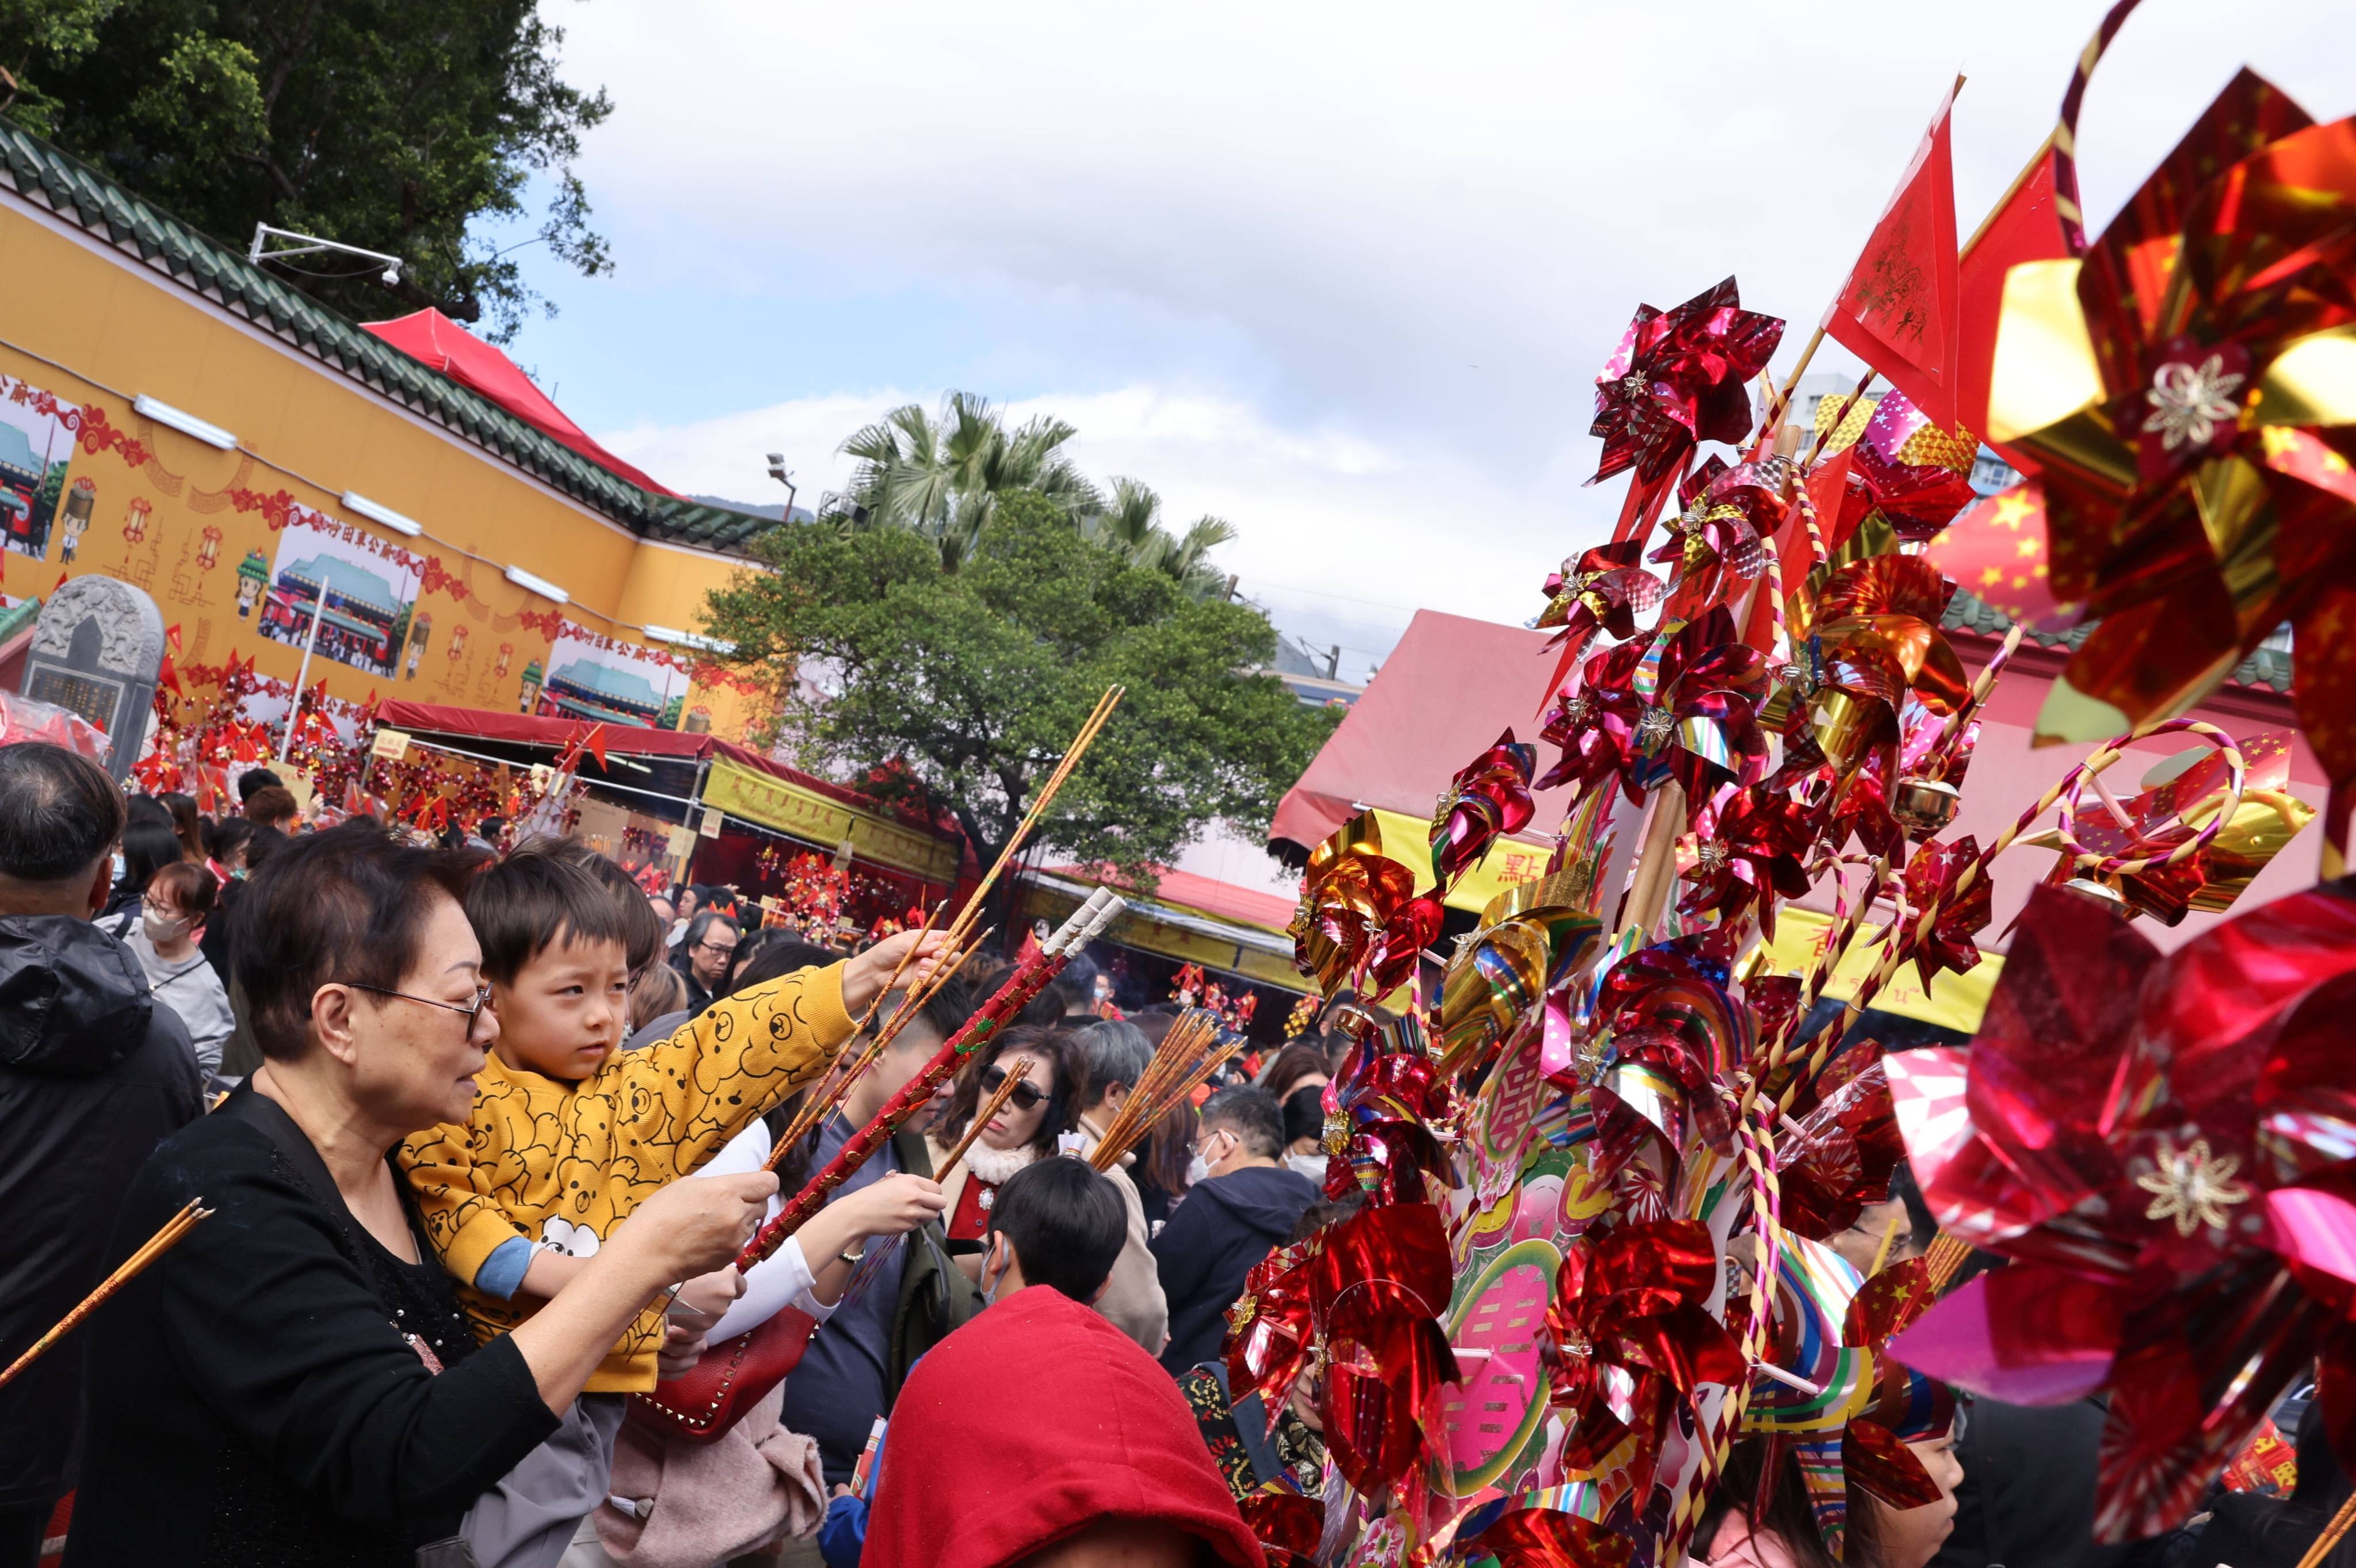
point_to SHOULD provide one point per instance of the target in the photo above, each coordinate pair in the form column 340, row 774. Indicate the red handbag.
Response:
column 727, row 1379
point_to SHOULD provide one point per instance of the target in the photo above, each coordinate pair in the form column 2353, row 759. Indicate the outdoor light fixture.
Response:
column 539, row 585
column 688, row 639
column 185, row 423
column 377, row 511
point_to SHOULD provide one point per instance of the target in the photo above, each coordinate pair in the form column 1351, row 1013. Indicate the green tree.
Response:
column 941, row 475
column 397, row 125
column 961, row 688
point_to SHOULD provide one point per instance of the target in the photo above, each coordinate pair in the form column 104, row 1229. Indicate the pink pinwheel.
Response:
column 1701, row 727
column 1380, row 1108
column 1488, row 798
column 2162, row 1143
column 1679, row 377
column 1916, row 474
column 1596, row 724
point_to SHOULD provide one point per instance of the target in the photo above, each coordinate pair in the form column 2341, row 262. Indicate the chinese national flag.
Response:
column 2024, row 227
column 1997, row 550
column 1901, row 307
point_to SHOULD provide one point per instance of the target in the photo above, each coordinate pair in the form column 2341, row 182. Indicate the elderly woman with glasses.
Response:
column 292, row 1383
column 1026, row 1127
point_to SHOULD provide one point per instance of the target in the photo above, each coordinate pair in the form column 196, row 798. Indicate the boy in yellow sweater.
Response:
column 569, row 1134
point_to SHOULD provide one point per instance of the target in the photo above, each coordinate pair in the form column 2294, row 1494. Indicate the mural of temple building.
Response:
column 357, row 627
column 584, row 689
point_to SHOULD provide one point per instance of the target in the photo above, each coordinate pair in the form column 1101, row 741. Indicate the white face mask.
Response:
column 988, row 1285
column 1312, row 1166
column 159, row 929
column 118, row 866
column 1198, row 1170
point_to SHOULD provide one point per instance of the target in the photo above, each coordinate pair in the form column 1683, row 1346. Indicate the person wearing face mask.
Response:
column 162, row 936
column 1024, row 1129
column 1112, row 1057
column 1239, row 1204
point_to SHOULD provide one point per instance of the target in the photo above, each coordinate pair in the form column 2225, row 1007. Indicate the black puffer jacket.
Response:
column 93, row 1077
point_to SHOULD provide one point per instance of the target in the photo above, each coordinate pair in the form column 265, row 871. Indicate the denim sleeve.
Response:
column 502, row 1272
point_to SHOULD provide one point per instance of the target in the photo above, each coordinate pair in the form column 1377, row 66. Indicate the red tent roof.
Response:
column 436, row 340
column 1448, row 690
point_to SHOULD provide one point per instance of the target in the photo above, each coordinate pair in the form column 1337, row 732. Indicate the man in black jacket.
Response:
column 1241, row 1205
column 93, row 1075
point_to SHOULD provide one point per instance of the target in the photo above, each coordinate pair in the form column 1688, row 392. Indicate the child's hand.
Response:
column 682, row 1349
column 708, row 1295
column 864, row 978
column 892, row 1206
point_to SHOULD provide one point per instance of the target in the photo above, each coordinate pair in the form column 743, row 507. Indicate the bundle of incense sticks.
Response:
column 1018, row 1070
column 1030, row 978
column 155, row 1247
column 1184, row 1063
column 833, row 1094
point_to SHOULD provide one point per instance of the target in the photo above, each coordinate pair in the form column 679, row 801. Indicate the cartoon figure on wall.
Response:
column 34, row 450
column 363, row 593
column 253, row 577
column 81, row 501
column 595, row 678
column 421, row 628
column 532, row 677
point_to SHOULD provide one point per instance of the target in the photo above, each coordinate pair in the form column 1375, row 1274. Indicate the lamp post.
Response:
column 778, row 471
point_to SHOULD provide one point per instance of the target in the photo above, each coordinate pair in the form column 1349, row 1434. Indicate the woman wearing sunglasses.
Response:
column 1025, row 1128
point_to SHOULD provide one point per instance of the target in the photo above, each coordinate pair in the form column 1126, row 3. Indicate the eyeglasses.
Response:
column 482, row 997
column 717, row 952
column 1026, row 1096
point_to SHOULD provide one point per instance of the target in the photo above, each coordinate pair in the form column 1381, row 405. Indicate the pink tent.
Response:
column 436, row 340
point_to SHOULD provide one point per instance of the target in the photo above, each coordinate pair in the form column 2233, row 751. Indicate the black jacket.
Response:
column 261, row 1394
column 2027, row 1498
column 1225, row 1226
column 92, row 1076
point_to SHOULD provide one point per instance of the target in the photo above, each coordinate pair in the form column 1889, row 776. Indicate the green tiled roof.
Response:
column 2268, row 666
column 81, row 195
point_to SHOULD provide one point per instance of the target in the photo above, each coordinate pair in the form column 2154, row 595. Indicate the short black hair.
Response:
column 1077, row 983
column 490, row 827
column 147, row 849
column 699, row 925
column 348, row 905
column 1304, row 1113
column 1111, row 1051
column 253, row 780
column 1252, row 1115
column 534, row 899
column 945, row 1010
column 146, row 808
column 643, row 932
column 1065, row 1223
column 223, row 836
column 58, row 812
column 261, row 845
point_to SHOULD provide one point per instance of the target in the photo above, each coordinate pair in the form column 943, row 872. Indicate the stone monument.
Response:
column 96, row 650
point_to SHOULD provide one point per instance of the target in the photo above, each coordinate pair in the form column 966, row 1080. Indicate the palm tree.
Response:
column 941, row 475
column 1131, row 522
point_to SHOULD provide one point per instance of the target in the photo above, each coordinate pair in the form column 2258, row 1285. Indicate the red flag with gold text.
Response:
column 1901, row 307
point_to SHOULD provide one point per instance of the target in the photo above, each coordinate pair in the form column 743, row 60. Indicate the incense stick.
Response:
column 155, row 1247
column 897, row 969
column 1062, row 771
column 1015, row 1076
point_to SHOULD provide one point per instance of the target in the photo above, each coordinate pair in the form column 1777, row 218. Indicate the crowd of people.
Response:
column 480, row 1130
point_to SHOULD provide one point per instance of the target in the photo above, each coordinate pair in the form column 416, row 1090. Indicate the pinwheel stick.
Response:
column 155, row 1247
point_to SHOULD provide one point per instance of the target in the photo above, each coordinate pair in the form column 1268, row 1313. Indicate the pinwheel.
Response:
column 1530, row 1538
column 2162, row 1145
column 1271, row 1335
column 1931, row 878
column 1679, row 377
column 2164, row 817
column 1743, row 856
column 1379, row 1288
column 1534, row 942
column 1715, row 536
column 1847, row 1145
column 1490, row 797
column 1874, row 637
column 1380, row 1108
column 2180, row 391
column 1360, row 918
column 1627, row 1335
column 1702, row 729
column 1604, row 589
column 1595, row 725
column 1914, row 474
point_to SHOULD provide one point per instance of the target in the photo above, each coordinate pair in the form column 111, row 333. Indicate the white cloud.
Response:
column 1342, row 274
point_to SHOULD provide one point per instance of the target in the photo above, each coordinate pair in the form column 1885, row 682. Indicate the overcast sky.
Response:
column 1341, row 274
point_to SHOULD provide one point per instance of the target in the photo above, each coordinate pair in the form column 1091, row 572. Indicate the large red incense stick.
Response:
column 1030, row 978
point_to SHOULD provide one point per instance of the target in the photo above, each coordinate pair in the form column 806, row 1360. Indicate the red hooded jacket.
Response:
column 1031, row 1421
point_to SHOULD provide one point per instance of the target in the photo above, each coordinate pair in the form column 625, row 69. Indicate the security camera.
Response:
column 392, row 276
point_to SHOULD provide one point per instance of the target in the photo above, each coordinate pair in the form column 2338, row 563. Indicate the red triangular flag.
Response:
column 62, row 580
column 172, row 635
column 596, row 744
column 2023, row 227
column 1899, row 309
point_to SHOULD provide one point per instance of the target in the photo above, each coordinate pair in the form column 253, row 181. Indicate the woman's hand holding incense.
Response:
column 891, row 1206
column 864, row 978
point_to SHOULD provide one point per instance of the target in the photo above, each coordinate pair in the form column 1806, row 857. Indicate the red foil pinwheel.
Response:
column 1914, row 474
column 1701, row 727
column 2180, row 390
column 1745, row 854
column 1931, row 877
column 1715, row 539
column 2164, row 1146
column 1846, row 1145
column 1679, row 377
column 1603, row 591
column 1379, row 1288
column 1627, row 1336
column 1489, row 798
column 1596, row 723
column 1380, row 1108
